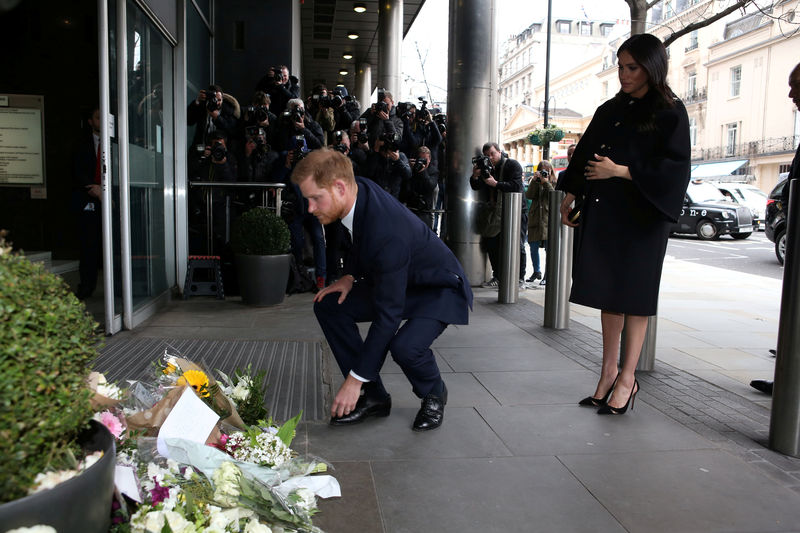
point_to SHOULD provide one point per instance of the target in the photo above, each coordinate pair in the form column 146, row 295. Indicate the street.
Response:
column 754, row 255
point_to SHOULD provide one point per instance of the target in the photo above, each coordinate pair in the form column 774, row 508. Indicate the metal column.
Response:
column 363, row 88
column 508, row 291
column 558, row 272
column 469, row 117
column 390, row 41
column 124, row 175
column 784, row 427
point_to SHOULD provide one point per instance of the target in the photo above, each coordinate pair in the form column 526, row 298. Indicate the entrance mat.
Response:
column 296, row 378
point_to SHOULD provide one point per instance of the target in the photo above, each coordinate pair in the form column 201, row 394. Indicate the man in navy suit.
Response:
column 395, row 269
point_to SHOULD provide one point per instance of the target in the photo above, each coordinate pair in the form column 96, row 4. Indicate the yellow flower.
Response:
column 195, row 379
column 170, row 368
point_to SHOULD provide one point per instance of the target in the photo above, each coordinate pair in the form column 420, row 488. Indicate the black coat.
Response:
column 390, row 175
column 622, row 237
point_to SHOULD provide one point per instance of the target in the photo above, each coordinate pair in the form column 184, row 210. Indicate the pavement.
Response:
column 517, row 454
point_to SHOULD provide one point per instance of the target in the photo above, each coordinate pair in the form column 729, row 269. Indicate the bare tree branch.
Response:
column 651, row 4
column 705, row 22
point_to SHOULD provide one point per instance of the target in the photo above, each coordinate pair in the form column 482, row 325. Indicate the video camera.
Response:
column 422, row 113
column 484, row 164
column 258, row 114
column 391, row 141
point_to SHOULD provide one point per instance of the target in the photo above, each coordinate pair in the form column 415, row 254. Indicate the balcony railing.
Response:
column 696, row 96
column 775, row 145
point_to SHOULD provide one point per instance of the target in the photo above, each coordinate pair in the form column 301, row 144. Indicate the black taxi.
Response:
column 708, row 214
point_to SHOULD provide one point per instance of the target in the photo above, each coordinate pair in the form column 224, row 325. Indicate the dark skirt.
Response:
column 619, row 250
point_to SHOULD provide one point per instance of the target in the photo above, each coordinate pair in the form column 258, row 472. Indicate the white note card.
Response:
column 190, row 419
column 125, row 480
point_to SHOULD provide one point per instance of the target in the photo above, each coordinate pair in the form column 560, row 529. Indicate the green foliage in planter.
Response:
column 543, row 136
column 47, row 344
column 260, row 232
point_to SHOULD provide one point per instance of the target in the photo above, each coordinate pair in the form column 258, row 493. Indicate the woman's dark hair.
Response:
column 649, row 52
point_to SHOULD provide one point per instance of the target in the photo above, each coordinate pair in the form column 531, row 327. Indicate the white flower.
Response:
column 91, row 459
column 241, row 391
column 306, row 499
column 109, row 390
column 154, row 521
column 173, row 466
column 33, row 529
column 268, row 451
column 48, row 480
column 226, row 484
column 254, row 526
column 223, row 518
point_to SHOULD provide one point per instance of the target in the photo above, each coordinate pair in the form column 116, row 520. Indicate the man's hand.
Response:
column 201, row 97
column 490, row 181
column 94, row 190
column 300, row 124
column 383, row 115
column 214, row 114
column 343, row 285
column 393, row 156
column 347, row 397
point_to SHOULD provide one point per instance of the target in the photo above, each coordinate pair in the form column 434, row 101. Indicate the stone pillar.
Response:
column 363, row 88
column 470, row 120
column 390, row 40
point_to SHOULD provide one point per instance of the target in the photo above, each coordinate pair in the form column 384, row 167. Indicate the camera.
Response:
column 362, row 128
column 211, row 101
column 218, row 151
column 484, row 164
column 337, row 93
column 404, row 110
column 258, row 113
column 276, row 74
column 441, row 121
column 382, row 106
column 419, row 165
column 300, row 149
column 337, row 136
column 295, row 115
column 381, row 94
column 391, row 141
column 257, row 135
column 422, row 113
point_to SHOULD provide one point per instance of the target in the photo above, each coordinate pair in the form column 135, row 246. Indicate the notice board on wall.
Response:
column 22, row 140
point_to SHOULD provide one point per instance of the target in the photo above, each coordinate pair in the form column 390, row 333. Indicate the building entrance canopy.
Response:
column 722, row 168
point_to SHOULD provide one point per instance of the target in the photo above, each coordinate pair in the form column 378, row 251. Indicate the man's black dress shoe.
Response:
column 368, row 405
column 762, row 385
column 431, row 413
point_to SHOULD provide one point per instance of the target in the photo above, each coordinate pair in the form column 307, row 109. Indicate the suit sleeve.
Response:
column 511, row 180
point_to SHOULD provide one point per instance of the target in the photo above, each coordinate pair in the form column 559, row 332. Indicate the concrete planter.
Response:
column 82, row 503
column 262, row 278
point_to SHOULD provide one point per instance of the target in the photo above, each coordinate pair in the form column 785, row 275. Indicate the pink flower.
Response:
column 110, row 421
column 223, row 438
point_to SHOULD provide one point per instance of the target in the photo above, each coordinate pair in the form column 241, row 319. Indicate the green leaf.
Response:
column 287, row 431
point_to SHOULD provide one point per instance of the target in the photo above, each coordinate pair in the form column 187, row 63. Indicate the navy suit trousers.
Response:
column 410, row 347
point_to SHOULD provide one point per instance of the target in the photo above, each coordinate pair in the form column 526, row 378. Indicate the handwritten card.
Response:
column 190, row 419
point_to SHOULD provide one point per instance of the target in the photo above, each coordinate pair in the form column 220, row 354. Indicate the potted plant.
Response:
column 49, row 343
column 544, row 136
column 260, row 240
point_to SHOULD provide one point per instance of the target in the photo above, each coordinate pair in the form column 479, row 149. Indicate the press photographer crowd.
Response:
column 396, row 145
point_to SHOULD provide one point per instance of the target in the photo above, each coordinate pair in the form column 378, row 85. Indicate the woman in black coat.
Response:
column 631, row 170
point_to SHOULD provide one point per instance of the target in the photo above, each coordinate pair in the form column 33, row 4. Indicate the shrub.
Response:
column 544, row 136
column 260, row 232
column 48, row 343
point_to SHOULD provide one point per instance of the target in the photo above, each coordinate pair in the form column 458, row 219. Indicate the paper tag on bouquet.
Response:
column 190, row 419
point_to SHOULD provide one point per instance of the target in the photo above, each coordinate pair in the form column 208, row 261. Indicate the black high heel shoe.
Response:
column 608, row 410
column 591, row 401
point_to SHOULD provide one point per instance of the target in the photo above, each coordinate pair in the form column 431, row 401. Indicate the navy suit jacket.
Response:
column 406, row 270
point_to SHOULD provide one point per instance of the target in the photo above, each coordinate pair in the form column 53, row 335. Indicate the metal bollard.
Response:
column 558, row 271
column 784, row 426
column 509, row 249
column 647, row 357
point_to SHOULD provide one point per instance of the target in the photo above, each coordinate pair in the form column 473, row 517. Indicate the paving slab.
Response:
column 499, row 494
column 541, row 387
column 464, row 390
column 535, row 356
column 701, row 491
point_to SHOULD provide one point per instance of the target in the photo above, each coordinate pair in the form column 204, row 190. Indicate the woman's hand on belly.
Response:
column 603, row 168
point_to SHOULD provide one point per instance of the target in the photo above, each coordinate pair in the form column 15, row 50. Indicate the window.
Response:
column 692, row 41
column 691, row 85
column 563, row 26
column 605, row 89
column 736, row 80
column 585, row 28
column 605, row 29
column 692, row 132
column 732, row 137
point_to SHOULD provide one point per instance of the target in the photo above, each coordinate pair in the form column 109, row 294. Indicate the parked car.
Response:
column 708, row 214
column 747, row 195
column 775, row 217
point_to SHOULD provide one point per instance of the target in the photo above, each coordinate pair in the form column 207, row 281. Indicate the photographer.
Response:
column 382, row 117
column 258, row 114
column 280, row 86
column 320, row 108
column 386, row 165
column 359, row 142
column 539, row 194
column 295, row 121
column 347, row 111
column 212, row 111
column 419, row 192
column 420, row 130
column 259, row 157
column 494, row 173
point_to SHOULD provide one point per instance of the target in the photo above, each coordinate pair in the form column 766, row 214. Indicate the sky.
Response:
column 425, row 46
